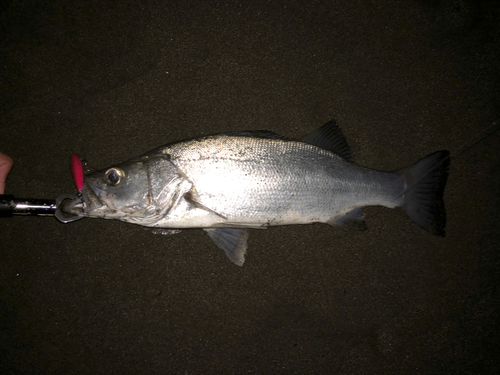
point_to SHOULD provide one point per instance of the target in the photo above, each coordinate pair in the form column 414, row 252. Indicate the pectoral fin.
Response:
column 233, row 241
column 190, row 197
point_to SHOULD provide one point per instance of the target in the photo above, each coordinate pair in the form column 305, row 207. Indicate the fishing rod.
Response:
column 14, row 206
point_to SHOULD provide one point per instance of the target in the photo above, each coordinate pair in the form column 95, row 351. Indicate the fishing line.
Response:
column 483, row 135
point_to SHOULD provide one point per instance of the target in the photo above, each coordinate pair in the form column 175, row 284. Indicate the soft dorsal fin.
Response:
column 330, row 137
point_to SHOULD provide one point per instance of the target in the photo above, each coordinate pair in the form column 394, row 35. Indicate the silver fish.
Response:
column 227, row 183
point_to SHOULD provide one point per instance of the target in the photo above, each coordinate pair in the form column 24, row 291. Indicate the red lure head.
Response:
column 77, row 171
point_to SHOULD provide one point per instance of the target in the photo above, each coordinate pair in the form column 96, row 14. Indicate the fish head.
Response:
column 118, row 192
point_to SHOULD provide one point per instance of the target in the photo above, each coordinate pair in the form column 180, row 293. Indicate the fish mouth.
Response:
column 71, row 205
column 87, row 204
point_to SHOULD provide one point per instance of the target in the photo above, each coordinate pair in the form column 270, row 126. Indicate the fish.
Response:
column 231, row 182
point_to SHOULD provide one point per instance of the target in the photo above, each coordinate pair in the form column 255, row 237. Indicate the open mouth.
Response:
column 86, row 203
column 91, row 196
column 72, row 205
column 91, row 199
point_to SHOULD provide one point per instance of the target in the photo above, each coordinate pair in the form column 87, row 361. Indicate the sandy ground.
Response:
column 403, row 79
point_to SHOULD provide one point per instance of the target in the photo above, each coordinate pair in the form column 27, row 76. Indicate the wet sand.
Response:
column 403, row 79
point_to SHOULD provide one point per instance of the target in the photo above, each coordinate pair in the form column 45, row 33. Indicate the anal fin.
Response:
column 356, row 214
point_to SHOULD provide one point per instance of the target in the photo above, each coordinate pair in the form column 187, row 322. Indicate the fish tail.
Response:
column 423, row 196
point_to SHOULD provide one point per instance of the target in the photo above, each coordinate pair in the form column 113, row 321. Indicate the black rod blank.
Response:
column 10, row 205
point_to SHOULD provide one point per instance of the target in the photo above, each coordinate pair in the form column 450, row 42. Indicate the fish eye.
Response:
column 114, row 176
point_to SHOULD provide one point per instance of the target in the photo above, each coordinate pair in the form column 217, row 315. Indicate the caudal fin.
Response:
column 423, row 198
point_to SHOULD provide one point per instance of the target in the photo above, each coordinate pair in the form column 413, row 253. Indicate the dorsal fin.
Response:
column 330, row 137
column 255, row 134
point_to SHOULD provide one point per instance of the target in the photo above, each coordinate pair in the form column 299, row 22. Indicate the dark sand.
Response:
column 403, row 79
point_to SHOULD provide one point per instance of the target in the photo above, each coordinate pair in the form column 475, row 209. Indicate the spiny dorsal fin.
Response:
column 266, row 134
column 330, row 137
column 255, row 134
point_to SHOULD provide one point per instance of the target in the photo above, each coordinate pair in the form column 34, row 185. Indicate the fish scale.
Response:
column 276, row 181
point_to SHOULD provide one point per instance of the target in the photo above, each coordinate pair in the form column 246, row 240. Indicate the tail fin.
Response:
column 423, row 198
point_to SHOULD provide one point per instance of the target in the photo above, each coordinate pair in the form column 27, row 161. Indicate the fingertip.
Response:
column 6, row 161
